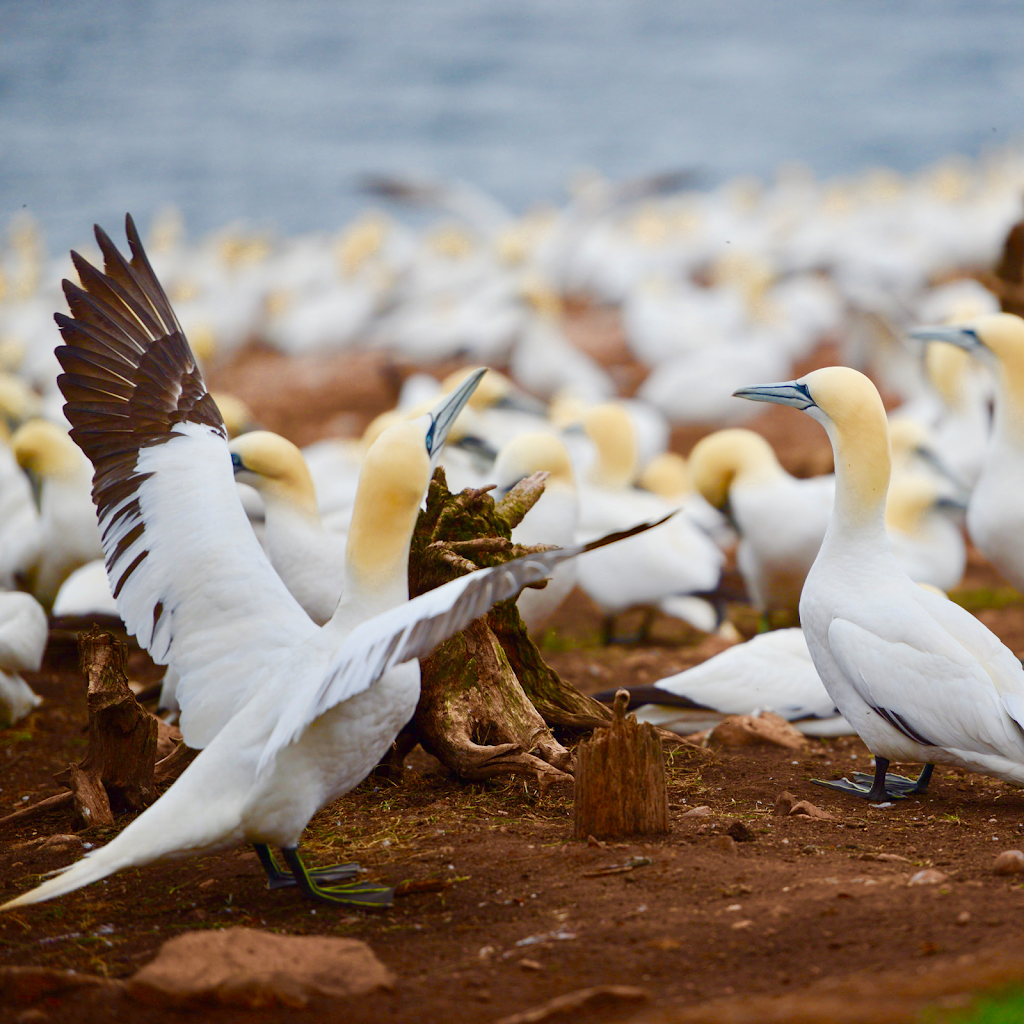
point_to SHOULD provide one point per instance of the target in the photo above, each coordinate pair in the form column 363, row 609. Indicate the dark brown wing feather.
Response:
column 129, row 373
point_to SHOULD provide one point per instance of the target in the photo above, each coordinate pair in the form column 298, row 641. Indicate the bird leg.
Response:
column 278, row 878
column 368, row 895
column 900, row 785
column 884, row 787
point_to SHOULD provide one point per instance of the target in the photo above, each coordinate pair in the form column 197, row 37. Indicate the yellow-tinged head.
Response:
column 732, row 456
column 667, row 475
column 533, row 453
column 276, row 468
column 911, row 496
column 44, row 450
column 849, row 407
column 946, row 367
column 997, row 339
column 18, row 402
column 392, row 482
column 610, row 428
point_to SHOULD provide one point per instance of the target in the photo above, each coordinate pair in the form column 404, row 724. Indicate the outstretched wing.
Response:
column 190, row 579
column 414, row 629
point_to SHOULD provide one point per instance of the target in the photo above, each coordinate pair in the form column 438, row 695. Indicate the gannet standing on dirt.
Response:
column 287, row 715
column 995, row 516
column 915, row 675
column 23, row 635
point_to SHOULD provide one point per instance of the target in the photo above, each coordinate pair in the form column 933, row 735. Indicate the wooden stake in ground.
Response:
column 620, row 779
column 119, row 765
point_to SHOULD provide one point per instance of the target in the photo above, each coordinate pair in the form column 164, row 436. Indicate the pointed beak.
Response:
column 927, row 455
column 36, row 484
column 477, row 447
column 444, row 414
column 790, row 392
column 962, row 337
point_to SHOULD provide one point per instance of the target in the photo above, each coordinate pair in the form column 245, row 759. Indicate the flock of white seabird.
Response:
column 236, row 559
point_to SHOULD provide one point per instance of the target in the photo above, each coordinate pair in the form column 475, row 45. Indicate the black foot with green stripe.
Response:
column 368, row 895
column 280, row 878
column 881, row 787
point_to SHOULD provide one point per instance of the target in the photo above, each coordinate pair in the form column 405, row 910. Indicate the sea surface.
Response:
column 269, row 112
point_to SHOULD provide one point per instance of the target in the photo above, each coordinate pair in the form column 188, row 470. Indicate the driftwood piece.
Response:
column 118, row 768
column 620, row 779
column 488, row 701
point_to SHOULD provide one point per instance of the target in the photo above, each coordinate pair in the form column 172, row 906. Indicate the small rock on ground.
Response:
column 930, row 876
column 247, row 967
column 748, row 730
column 1009, row 862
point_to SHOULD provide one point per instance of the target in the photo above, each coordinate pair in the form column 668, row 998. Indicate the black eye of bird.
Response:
column 430, row 437
column 236, row 461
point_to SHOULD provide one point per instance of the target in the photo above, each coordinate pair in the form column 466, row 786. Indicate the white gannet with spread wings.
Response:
column 289, row 715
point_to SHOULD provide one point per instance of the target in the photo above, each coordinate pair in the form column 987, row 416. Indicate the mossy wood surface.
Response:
column 488, row 699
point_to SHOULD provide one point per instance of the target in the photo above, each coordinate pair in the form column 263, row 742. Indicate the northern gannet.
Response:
column 915, row 675
column 309, row 559
column 926, row 539
column 771, row 672
column 23, row 635
column 678, row 558
column 552, row 520
column 780, row 519
column 995, row 515
column 195, row 588
column 67, row 520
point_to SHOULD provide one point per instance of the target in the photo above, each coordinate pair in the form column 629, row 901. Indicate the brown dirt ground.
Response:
column 803, row 922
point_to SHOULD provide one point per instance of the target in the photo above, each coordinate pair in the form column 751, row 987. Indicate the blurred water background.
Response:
column 268, row 112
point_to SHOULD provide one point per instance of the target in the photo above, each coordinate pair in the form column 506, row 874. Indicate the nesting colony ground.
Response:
column 738, row 914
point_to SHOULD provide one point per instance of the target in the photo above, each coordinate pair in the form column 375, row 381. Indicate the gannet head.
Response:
column 667, row 475
column 18, row 402
column 998, row 336
column 848, row 406
column 998, row 341
column 730, row 456
column 392, row 481
column 45, row 451
column 911, row 497
column 532, row 453
column 912, row 443
column 276, row 468
column 611, row 429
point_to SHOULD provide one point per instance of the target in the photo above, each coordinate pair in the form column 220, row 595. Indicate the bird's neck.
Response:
column 1008, row 425
column 863, row 461
column 377, row 553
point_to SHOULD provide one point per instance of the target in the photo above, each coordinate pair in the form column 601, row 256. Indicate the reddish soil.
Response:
column 803, row 919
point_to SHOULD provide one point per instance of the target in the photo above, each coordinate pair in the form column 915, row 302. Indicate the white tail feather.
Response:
column 172, row 827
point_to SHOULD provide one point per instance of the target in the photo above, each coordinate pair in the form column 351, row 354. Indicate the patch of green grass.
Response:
column 559, row 643
column 1007, row 1008
column 984, row 598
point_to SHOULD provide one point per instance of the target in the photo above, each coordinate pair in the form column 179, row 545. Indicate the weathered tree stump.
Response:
column 620, row 779
column 118, row 769
column 487, row 699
